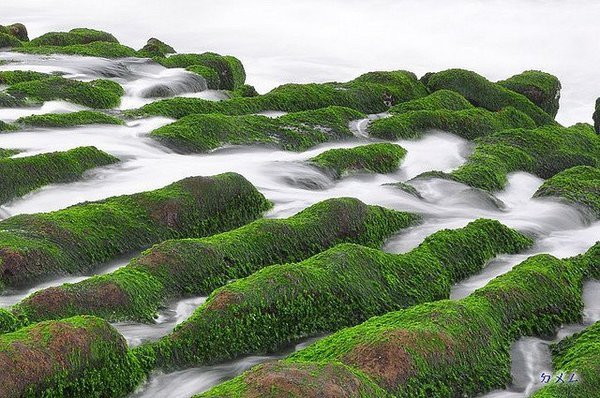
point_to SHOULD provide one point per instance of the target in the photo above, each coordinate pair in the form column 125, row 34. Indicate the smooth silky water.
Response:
column 283, row 177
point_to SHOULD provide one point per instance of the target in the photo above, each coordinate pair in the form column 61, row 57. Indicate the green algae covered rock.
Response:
column 544, row 151
column 579, row 185
column 101, row 94
column 11, row 77
column 8, row 322
column 213, row 81
column 17, row 30
column 374, row 158
column 6, row 153
column 69, row 119
column 441, row 99
column 156, row 48
column 596, row 116
column 7, row 41
column 577, row 355
column 22, row 175
column 94, row 49
column 8, row 101
column 177, row 268
column 7, row 126
column 485, row 94
column 75, row 357
column 245, row 90
column 295, row 131
column 340, row 287
column 73, row 240
column 372, row 92
column 468, row 123
column 229, row 69
column 543, row 89
column 74, row 36
column 444, row 348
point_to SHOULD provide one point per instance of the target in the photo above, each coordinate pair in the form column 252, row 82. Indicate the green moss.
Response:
column 95, row 94
column 17, row 30
column 8, row 322
column 75, row 357
column 579, row 355
column 74, row 36
column 11, row 77
column 156, row 48
column 229, row 69
column 578, row 185
column 374, row 158
column 297, row 131
column 75, row 239
column 373, row 92
column 7, row 126
column 544, row 152
column 340, row 287
column 467, row 123
column 485, row 94
column 25, row 174
column 94, row 49
column 210, row 75
column 444, row 348
column 6, row 153
column 245, row 90
column 179, row 268
column 541, row 88
column 441, row 99
column 69, row 119
column 9, row 41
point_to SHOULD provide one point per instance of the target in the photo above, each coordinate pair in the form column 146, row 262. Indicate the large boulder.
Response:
column 543, row 89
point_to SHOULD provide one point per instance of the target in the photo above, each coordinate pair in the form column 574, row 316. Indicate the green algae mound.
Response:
column 177, row 268
column 74, row 357
column 543, row 89
column 74, row 36
column 374, row 158
column 441, row 99
column 17, row 30
column 155, row 48
column 340, row 287
column 19, row 176
column 73, row 240
column 57, row 120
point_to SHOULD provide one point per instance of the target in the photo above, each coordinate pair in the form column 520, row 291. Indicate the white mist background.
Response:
column 314, row 41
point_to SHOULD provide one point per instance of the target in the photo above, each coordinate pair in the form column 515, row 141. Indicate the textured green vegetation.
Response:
column 94, row 49
column 544, row 152
column 22, row 175
column 579, row 185
column 10, row 77
column 75, row 357
column 8, row 101
column 229, row 69
column 372, row 92
column 579, row 354
column 245, row 90
column 17, row 30
column 7, row 126
column 7, row 40
column 95, row 94
column 543, row 89
column 6, row 153
column 468, row 123
column 178, row 268
column 374, row 158
column 596, row 116
column 210, row 75
column 69, row 119
column 8, row 322
column 485, row 94
column 340, row 287
column 74, row 36
column 156, row 48
column 439, row 349
column 295, row 131
column 441, row 99
column 75, row 239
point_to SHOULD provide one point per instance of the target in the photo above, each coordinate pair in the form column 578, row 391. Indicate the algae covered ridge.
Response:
column 275, row 214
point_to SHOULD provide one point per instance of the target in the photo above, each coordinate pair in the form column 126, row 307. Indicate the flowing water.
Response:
column 284, row 177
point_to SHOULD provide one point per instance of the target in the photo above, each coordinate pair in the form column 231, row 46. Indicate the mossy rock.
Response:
column 25, row 174
column 340, row 287
column 9, row 41
column 17, row 30
column 543, row 89
column 468, row 123
column 11, row 77
column 485, row 94
column 8, row 101
column 576, row 356
column 4, row 127
column 295, row 131
column 443, row 348
column 374, row 92
column 441, row 99
column 101, row 94
column 211, row 76
column 596, row 116
column 373, row 158
column 75, row 357
column 6, row 153
column 229, row 69
column 544, row 151
column 178, row 268
column 93, row 49
column 74, row 240
column 579, row 185
column 8, row 322
column 156, row 48
column 57, row 120
column 245, row 90
column 74, row 36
